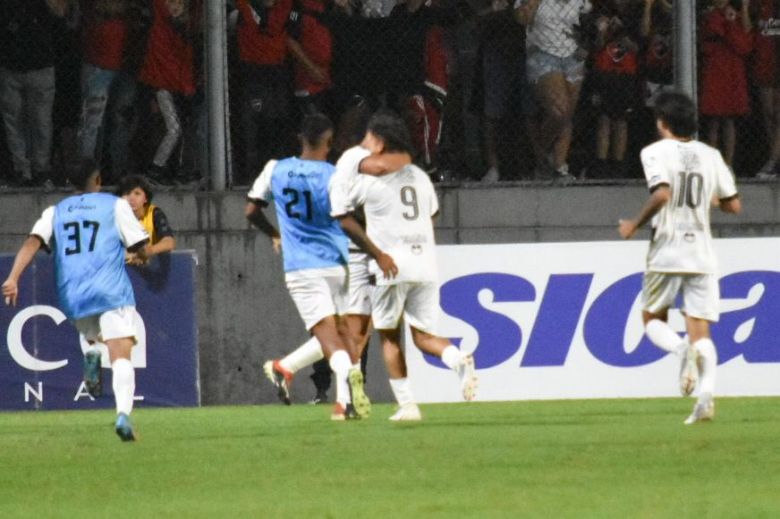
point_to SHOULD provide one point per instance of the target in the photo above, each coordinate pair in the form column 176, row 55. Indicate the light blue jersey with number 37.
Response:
column 311, row 238
column 89, row 255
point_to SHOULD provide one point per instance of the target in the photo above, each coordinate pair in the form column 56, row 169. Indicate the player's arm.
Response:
column 256, row 216
column 659, row 197
column 731, row 204
column 23, row 259
column 383, row 164
column 358, row 235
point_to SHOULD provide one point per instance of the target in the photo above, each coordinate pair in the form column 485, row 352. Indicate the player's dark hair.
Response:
column 314, row 127
column 135, row 181
column 677, row 112
column 80, row 176
column 391, row 128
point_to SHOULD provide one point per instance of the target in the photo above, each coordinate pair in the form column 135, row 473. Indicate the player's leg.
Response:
column 701, row 296
column 388, row 306
column 421, row 313
column 399, row 381
column 335, row 350
column 89, row 329
column 314, row 300
column 117, row 328
column 658, row 293
column 281, row 371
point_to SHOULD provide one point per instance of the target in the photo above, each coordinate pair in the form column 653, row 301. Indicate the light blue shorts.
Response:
column 540, row 63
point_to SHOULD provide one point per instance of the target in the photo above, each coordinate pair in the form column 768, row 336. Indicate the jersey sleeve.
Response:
column 343, row 181
column 726, row 187
column 131, row 232
column 653, row 166
column 162, row 227
column 44, row 227
column 261, row 189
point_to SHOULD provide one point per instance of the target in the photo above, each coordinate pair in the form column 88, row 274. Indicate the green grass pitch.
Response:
column 595, row 458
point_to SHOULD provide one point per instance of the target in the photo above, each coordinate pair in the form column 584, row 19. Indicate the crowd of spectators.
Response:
column 561, row 89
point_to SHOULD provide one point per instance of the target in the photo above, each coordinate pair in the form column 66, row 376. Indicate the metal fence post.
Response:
column 685, row 47
column 216, row 79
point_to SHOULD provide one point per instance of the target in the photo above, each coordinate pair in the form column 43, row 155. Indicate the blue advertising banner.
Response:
column 41, row 352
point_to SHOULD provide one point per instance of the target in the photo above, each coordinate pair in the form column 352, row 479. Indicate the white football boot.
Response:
column 468, row 377
column 703, row 410
column 407, row 413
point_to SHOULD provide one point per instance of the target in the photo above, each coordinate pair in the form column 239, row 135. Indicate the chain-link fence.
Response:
column 491, row 90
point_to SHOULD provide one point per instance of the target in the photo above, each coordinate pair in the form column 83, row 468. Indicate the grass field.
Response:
column 603, row 458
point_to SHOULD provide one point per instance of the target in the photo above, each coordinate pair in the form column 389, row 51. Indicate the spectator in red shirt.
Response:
column 266, row 88
column 728, row 40
column 765, row 73
column 311, row 45
column 107, row 88
column 616, row 88
column 169, row 69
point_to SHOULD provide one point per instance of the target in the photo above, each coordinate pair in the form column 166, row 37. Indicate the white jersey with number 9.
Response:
column 399, row 208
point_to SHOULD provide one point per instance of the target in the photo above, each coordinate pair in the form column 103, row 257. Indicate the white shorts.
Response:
column 418, row 303
column 359, row 285
column 700, row 293
column 113, row 324
column 319, row 297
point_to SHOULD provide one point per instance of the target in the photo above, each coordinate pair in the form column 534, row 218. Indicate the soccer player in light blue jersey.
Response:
column 315, row 257
column 88, row 234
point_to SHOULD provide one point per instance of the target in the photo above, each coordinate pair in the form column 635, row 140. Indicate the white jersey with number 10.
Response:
column 695, row 174
column 399, row 208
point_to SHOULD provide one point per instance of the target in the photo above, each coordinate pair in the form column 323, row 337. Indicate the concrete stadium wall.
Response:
column 246, row 316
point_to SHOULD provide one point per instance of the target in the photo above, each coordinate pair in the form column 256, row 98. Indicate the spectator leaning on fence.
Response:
column 765, row 73
column 29, row 32
column 555, row 66
column 311, row 46
column 107, row 89
column 266, row 88
column 727, row 42
column 499, row 84
column 136, row 190
column 616, row 88
column 656, row 31
column 169, row 69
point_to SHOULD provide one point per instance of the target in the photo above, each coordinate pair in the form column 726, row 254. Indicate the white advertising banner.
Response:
column 563, row 320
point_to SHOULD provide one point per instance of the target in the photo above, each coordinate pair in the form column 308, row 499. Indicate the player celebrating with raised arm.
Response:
column 684, row 176
column 315, row 258
column 399, row 209
column 88, row 234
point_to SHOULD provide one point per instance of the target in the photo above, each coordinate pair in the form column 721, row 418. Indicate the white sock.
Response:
column 92, row 348
column 356, row 365
column 709, row 356
column 305, row 355
column 662, row 335
column 341, row 364
column 402, row 390
column 124, row 385
column 451, row 357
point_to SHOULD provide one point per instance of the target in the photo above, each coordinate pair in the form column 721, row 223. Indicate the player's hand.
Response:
column 387, row 265
column 10, row 292
column 627, row 229
column 276, row 243
column 131, row 258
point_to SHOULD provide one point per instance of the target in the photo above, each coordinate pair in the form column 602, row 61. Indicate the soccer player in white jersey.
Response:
column 88, row 234
column 399, row 209
column 314, row 251
column 685, row 177
column 358, row 309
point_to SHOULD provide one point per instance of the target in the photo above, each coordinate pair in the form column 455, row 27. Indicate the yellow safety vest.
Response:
column 147, row 221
